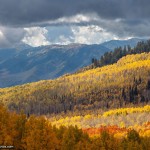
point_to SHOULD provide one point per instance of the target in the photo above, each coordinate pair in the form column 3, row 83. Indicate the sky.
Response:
column 45, row 22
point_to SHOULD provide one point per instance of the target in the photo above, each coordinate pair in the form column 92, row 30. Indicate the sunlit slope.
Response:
column 117, row 85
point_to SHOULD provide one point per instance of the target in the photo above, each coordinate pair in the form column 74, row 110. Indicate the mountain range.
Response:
column 23, row 63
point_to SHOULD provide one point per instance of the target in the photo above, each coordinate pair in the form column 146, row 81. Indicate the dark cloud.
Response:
column 30, row 12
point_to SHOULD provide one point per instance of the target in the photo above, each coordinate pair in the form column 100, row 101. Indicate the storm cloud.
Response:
column 32, row 12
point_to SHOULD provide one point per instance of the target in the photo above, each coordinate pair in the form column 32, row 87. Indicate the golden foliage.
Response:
column 37, row 133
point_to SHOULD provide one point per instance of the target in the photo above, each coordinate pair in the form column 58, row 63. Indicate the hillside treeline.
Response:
column 36, row 133
column 113, row 56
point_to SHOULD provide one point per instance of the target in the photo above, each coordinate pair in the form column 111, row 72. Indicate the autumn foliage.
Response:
column 37, row 133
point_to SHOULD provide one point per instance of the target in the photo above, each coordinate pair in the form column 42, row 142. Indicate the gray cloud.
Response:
column 126, row 28
column 10, row 36
column 30, row 12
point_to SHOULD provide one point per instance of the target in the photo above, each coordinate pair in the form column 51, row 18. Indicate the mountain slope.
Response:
column 119, row 85
column 22, row 63
column 47, row 62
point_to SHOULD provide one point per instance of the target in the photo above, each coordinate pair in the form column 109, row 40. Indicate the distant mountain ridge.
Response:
column 117, row 43
column 23, row 63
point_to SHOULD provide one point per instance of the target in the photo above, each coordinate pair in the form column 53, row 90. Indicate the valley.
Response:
column 74, row 75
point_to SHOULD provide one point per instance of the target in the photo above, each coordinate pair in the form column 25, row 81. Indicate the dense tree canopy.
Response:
column 37, row 133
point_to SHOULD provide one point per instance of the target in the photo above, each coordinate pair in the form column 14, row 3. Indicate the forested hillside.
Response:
column 125, row 83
